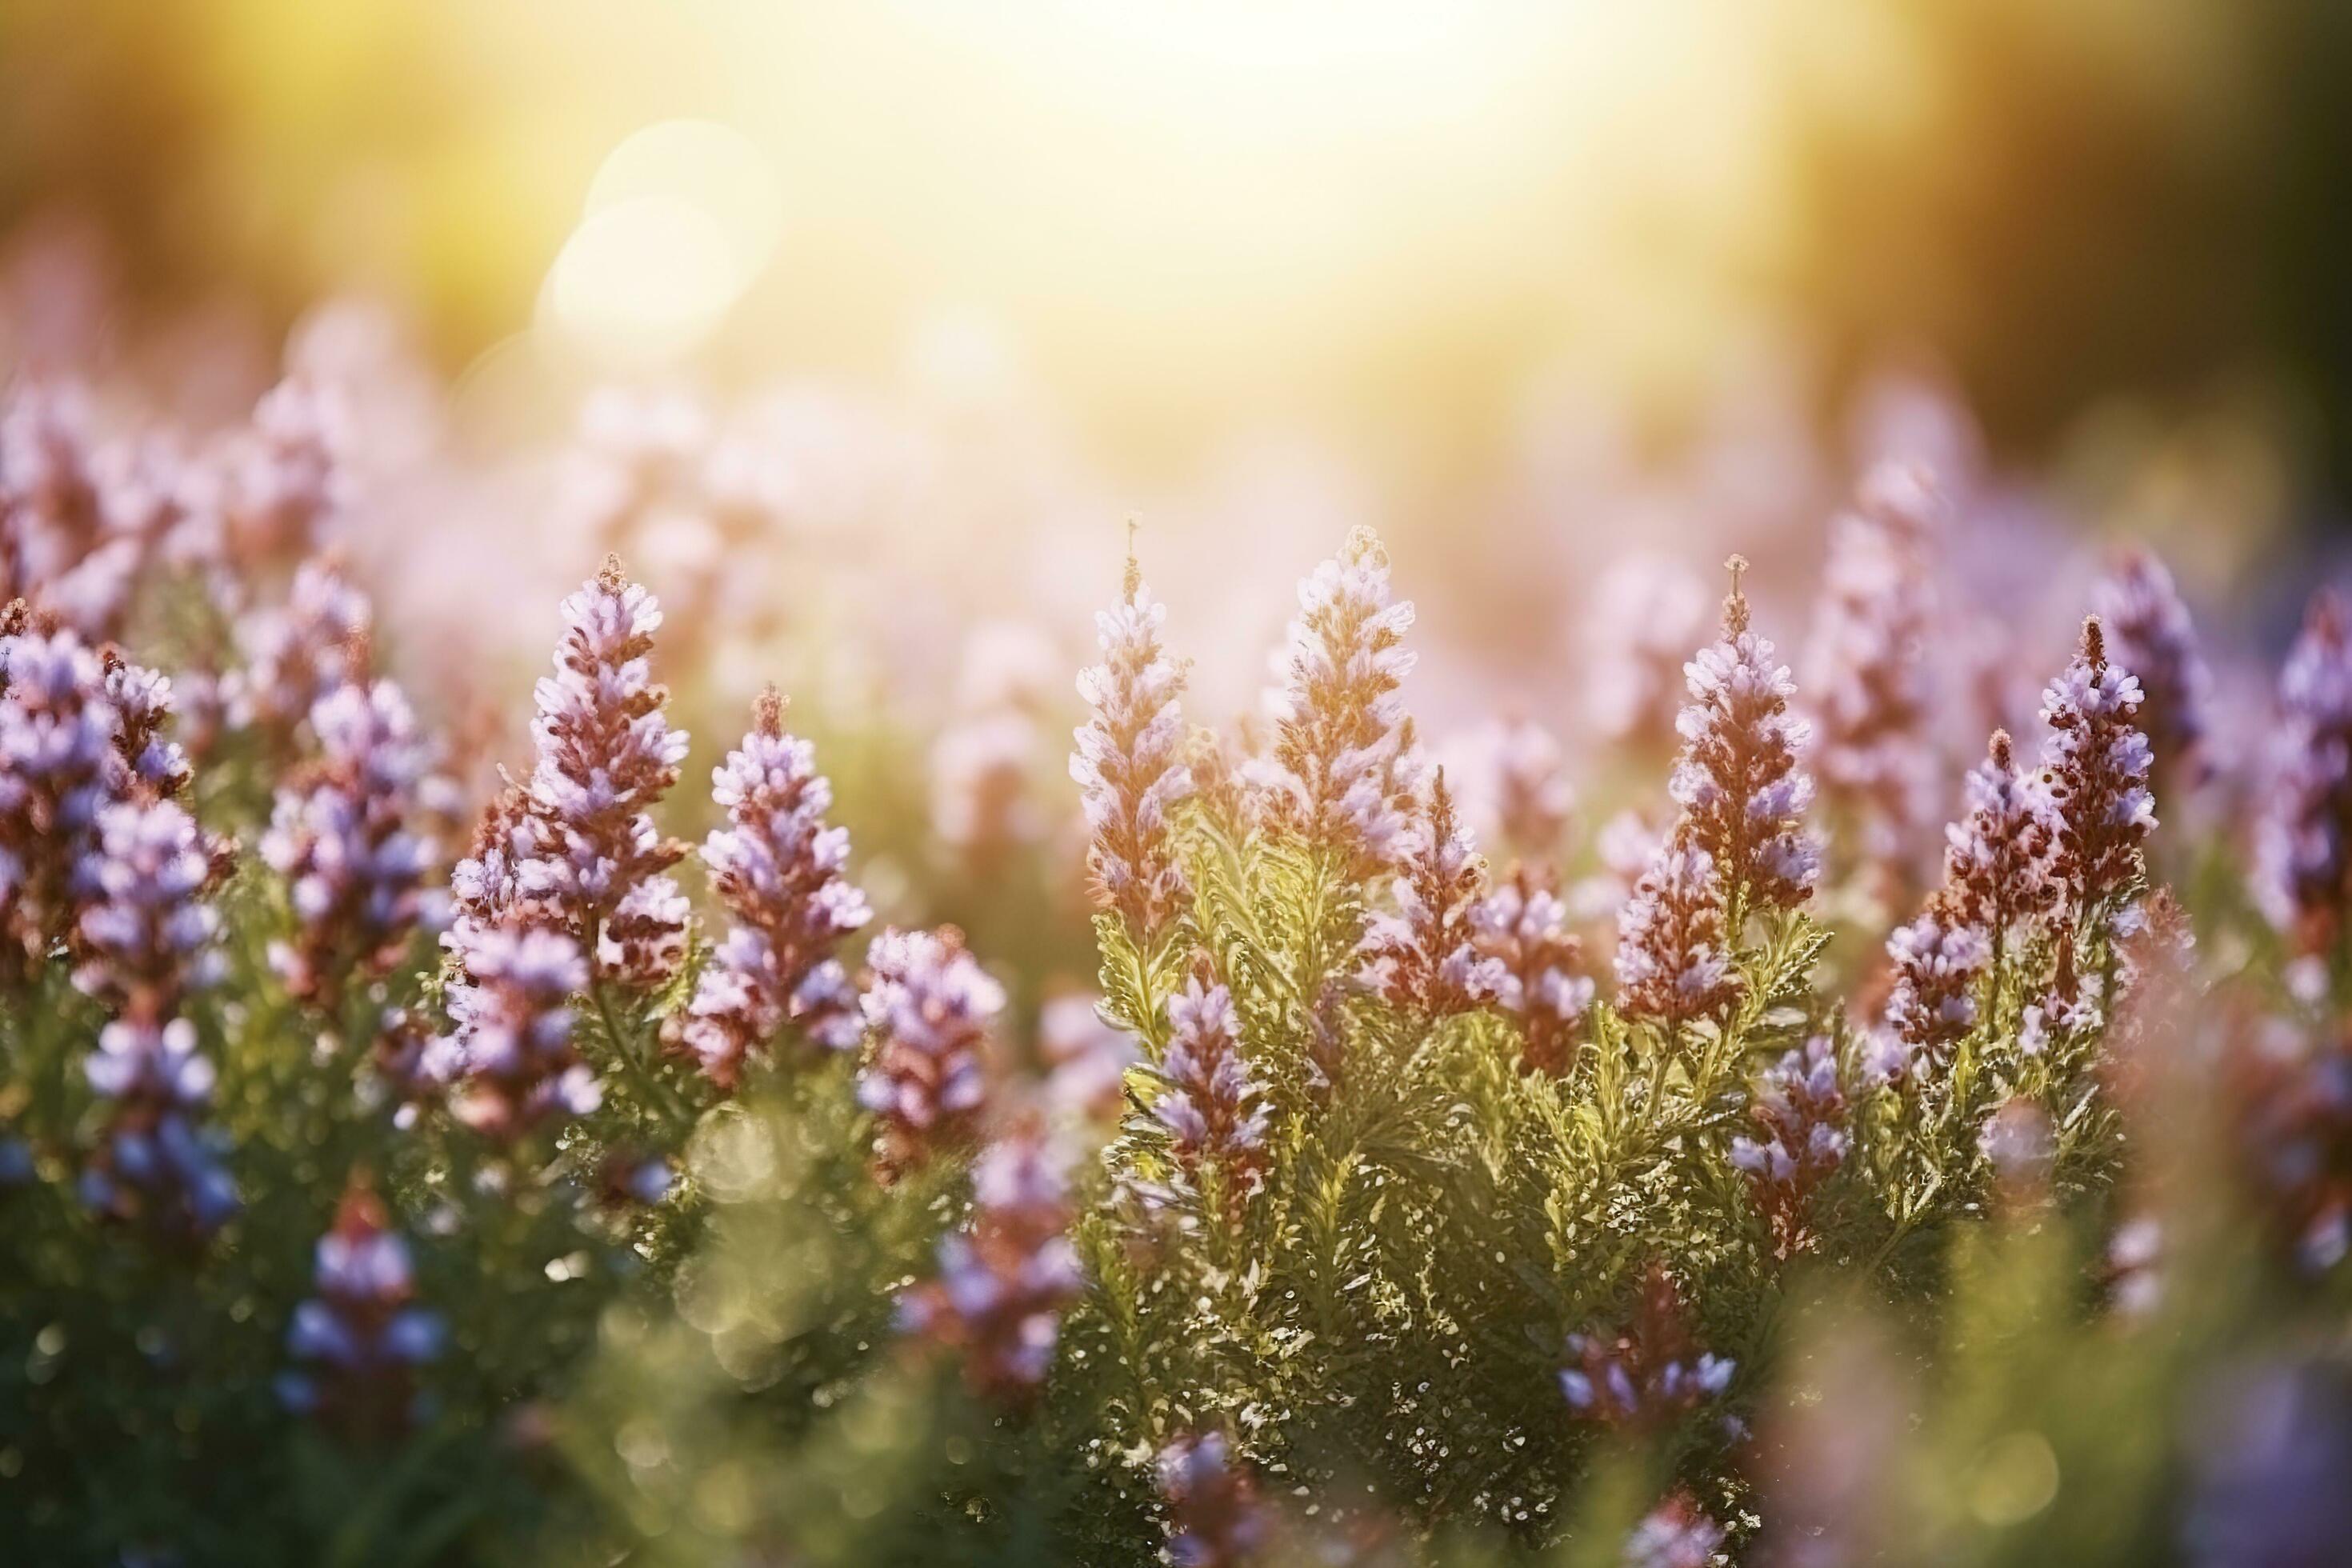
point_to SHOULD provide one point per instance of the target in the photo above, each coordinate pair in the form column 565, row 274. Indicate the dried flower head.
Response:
column 777, row 867
column 1127, row 764
column 1742, row 793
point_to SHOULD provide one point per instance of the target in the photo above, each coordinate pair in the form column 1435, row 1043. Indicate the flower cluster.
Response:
column 2097, row 760
column 2302, row 849
column 1672, row 965
column 1938, row 961
column 296, row 654
column 2293, row 1108
column 778, row 869
column 1516, row 790
column 1521, row 928
column 1867, row 662
column 2151, row 635
column 1997, row 856
column 511, row 1018
column 345, row 834
column 1647, row 615
column 1741, row 792
column 1005, row 1280
column 1216, row 1519
column 1800, row 1111
column 930, row 1007
column 1128, row 767
column 1675, row 1535
column 1649, row 1374
column 1212, row 1108
column 1422, row 956
column 360, row 1340
column 1343, row 752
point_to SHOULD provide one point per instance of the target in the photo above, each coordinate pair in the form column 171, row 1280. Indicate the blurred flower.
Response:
column 1647, row 615
column 1801, row 1111
column 1742, row 795
column 980, row 768
column 2292, row 1087
column 1511, row 780
column 778, row 869
column 1214, row 1516
column 295, row 655
column 282, row 481
column 343, row 834
column 1650, row 1373
column 360, row 1338
column 1085, row 1058
column 1868, row 665
column 2269, row 1461
column 1422, row 956
column 1342, row 753
column 930, row 1008
column 1521, row 927
column 145, row 933
column 2151, row 637
column 1675, row 1535
column 1672, row 964
column 2302, row 844
column 1005, row 1280
column 1127, row 765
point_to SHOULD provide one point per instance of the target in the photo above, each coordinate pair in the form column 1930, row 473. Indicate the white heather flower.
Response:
column 1128, row 766
column 1341, row 758
column 1742, row 793
column 778, row 869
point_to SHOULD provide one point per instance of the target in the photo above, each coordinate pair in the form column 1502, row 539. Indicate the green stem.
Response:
column 656, row 1093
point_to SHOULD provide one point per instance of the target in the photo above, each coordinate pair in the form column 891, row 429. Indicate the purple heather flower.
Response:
column 1341, row 759
column 1742, row 795
column 343, row 834
column 53, row 507
column 510, row 1015
column 1651, row 1373
column 2150, row 635
column 606, row 755
column 282, row 479
column 1214, row 1516
column 1867, row 662
column 2303, row 845
column 1422, row 956
column 297, row 654
column 1996, row 857
column 359, row 1339
column 1005, row 1280
column 2096, row 762
column 1675, row 1535
column 1938, row 961
column 778, row 869
column 1672, row 964
column 1800, row 1110
column 1211, row 1109
column 930, row 1007
column 1521, row 927
column 145, row 934
column 2292, row 1097
column 1128, row 766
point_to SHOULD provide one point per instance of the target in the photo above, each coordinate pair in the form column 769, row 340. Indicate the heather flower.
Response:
column 53, row 509
column 1212, row 1108
column 1938, row 961
column 1342, row 751
column 344, row 836
column 2150, row 635
column 1672, row 966
column 1420, row 956
column 980, row 768
column 1996, row 857
column 360, row 1338
column 1214, row 1516
column 1128, row 767
column 1648, row 1374
column 778, row 869
column 1800, row 1109
column 930, row 1008
column 1675, row 1535
column 606, row 755
column 1514, row 789
column 156, row 1161
column 1521, row 928
column 2302, row 846
column 1742, row 795
column 297, row 654
column 283, row 479
column 2096, row 762
column 1085, row 1058
column 1867, row 661
column 145, row 933
column 1647, row 612
column 1006, row 1279
column 510, row 1015
column 2293, row 1093
column 77, row 734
